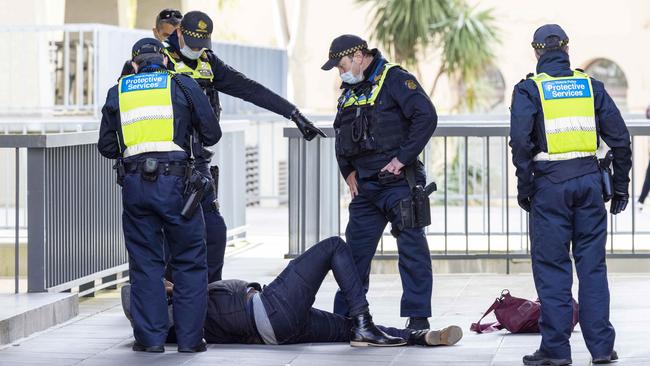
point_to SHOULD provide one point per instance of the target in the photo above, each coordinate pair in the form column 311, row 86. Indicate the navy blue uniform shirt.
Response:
column 202, row 119
column 397, row 98
column 232, row 82
column 527, row 133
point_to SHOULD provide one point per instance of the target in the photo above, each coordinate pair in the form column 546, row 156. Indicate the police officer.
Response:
column 190, row 53
column 146, row 124
column 383, row 123
column 557, row 117
column 282, row 312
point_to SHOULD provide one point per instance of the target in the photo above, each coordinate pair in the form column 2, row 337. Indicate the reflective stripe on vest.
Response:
column 569, row 116
column 146, row 113
column 353, row 99
column 203, row 69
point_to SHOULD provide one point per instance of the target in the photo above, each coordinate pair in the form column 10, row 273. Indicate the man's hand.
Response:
column 393, row 167
column 351, row 180
column 619, row 202
column 524, row 203
column 308, row 130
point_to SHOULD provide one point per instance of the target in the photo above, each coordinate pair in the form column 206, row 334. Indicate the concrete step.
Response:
column 24, row 314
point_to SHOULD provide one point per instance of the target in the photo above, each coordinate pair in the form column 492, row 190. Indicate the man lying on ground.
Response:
column 282, row 312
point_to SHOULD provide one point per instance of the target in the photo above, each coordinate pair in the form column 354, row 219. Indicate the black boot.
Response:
column 201, row 347
column 540, row 359
column 606, row 359
column 418, row 323
column 139, row 347
column 364, row 333
column 443, row 337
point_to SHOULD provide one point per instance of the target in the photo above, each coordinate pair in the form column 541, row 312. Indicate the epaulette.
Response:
column 529, row 75
column 581, row 70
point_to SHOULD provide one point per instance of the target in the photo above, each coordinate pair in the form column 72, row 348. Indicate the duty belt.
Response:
column 175, row 168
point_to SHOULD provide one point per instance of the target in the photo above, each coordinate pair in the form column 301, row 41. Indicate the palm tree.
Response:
column 465, row 34
column 403, row 27
column 467, row 39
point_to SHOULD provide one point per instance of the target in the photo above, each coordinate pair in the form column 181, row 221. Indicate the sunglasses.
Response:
column 166, row 14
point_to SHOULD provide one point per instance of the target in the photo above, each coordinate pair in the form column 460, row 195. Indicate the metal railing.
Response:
column 69, row 68
column 474, row 212
column 73, row 208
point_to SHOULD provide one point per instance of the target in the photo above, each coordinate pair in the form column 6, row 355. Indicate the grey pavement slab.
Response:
column 101, row 335
column 24, row 314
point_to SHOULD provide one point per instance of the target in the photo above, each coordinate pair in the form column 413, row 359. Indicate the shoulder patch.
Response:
column 174, row 55
column 411, row 84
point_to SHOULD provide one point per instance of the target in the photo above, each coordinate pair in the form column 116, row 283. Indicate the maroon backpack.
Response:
column 515, row 314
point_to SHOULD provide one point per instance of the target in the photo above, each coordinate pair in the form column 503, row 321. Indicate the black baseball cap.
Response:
column 146, row 45
column 196, row 28
column 341, row 46
column 549, row 36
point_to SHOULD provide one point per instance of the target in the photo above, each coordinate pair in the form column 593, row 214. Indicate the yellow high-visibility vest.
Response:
column 203, row 69
column 361, row 100
column 146, row 113
column 569, row 116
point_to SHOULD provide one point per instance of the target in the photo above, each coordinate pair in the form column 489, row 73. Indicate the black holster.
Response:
column 194, row 189
column 120, row 171
column 413, row 212
column 213, row 96
column 606, row 176
column 214, row 172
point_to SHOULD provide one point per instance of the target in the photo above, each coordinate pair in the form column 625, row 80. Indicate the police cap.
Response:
column 196, row 28
column 146, row 45
column 341, row 46
column 549, row 36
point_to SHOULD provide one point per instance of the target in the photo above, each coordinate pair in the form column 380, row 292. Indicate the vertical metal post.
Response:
column 66, row 69
column 489, row 231
column 446, row 190
column 36, row 217
column 633, row 202
column 466, row 194
column 17, row 225
column 79, row 77
column 505, row 165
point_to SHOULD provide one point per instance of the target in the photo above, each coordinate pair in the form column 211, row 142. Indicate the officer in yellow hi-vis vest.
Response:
column 384, row 121
column 190, row 53
column 557, row 119
column 147, row 124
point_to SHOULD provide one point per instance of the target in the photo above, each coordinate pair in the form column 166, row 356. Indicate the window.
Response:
column 613, row 77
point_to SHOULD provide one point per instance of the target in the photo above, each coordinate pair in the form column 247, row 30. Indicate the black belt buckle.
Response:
column 150, row 170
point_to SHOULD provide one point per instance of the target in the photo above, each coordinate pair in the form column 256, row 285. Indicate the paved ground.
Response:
column 100, row 335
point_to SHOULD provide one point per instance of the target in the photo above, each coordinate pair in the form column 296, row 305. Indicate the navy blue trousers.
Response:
column 215, row 228
column 215, row 231
column 570, row 217
column 370, row 211
column 150, row 207
column 288, row 300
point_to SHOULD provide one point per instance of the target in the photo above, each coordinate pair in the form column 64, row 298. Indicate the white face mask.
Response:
column 349, row 78
column 190, row 53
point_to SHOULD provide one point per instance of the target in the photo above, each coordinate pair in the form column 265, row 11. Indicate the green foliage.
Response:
column 465, row 36
column 402, row 27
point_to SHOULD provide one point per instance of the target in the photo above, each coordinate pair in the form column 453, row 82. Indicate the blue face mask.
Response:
column 349, row 78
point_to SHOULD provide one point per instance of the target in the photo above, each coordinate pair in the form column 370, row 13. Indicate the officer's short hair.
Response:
column 168, row 16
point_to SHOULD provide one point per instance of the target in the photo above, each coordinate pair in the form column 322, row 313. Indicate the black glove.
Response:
column 524, row 203
column 308, row 130
column 619, row 203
